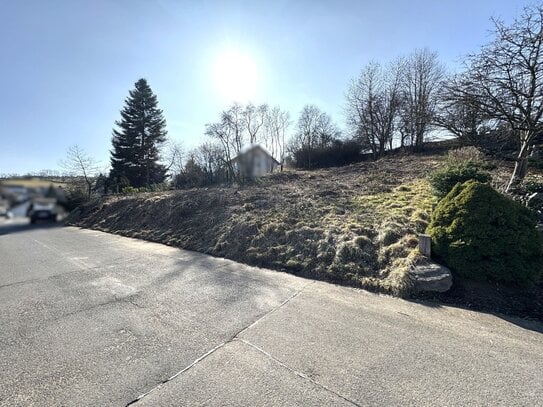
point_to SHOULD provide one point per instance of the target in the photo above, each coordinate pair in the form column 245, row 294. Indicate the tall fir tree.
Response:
column 137, row 140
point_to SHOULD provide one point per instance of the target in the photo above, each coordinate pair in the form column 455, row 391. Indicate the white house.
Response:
column 254, row 161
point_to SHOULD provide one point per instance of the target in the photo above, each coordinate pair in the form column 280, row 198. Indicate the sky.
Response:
column 66, row 66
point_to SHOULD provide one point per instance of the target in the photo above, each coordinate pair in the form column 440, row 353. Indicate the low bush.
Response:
column 535, row 163
column 151, row 188
column 466, row 154
column 338, row 153
column 483, row 235
column 129, row 190
column 444, row 179
column 75, row 197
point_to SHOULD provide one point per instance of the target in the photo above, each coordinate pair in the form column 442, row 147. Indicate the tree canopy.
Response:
column 138, row 138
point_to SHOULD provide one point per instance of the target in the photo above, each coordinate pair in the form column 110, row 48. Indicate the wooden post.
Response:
column 425, row 245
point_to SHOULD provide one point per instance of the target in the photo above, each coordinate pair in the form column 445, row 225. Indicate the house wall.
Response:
column 254, row 163
column 263, row 164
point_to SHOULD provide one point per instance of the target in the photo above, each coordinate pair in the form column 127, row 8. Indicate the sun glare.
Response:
column 235, row 75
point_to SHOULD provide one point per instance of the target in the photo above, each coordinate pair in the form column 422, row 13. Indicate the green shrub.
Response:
column 151, row 188
column 444, row 179
column 483, row 235
column 130, row 190
column 75, row 197
column 535, row 163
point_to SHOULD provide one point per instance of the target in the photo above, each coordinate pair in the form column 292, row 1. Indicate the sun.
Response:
column 235, row 75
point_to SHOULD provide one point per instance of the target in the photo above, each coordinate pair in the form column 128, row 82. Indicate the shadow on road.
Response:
column 531, row 321
column 23, row 225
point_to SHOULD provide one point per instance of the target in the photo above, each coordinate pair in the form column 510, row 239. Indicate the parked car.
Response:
column 42, row 209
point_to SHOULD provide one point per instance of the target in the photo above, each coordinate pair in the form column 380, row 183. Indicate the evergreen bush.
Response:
column 444, row 179
column 483, row 235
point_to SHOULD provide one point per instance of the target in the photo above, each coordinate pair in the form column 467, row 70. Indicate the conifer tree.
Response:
column 137, row 139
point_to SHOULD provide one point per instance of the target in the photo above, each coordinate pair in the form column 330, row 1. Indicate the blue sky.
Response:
column 66, row 66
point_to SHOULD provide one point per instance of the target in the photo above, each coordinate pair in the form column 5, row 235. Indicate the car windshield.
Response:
column 44, row 206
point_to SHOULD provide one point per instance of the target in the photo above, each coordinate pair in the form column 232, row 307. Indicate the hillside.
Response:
column 355, row 225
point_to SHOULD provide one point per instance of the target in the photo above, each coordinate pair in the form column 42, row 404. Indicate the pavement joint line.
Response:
column 222, row 344
column 196, row 361
column 298, row 292
column 84, row 267
column 296, row 372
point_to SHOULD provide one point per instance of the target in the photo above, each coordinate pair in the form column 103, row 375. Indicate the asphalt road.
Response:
column 92, row 319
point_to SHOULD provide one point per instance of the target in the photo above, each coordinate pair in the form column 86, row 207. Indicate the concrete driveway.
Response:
column 88, row 318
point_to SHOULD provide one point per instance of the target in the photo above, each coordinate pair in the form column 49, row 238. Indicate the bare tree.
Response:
column 254, row 119
column 80, row 165
column 233, row 121
column 210, row 158
column 373, row 102
column 174, row 155
column 230, row 133
column 421, row 77
column 507, row 81
column 222, row 133
column 277, row 124
column 314, row 129
column 459, row 112
column 242, row 125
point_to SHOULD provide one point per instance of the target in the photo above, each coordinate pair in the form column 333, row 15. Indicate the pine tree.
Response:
column 136, row 142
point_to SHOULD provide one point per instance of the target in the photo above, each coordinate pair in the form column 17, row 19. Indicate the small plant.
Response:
column 151, row 188
column 483, row 235
column 130, row 190
column 443, row 180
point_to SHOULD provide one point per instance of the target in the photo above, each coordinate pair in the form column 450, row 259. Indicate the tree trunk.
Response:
column 382, row 147
column 147, row 175
column 419, row 140
column 521, row 166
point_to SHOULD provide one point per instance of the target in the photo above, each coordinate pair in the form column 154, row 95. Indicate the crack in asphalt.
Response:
column 56, row 276
column 296, row 372
column 222, row 344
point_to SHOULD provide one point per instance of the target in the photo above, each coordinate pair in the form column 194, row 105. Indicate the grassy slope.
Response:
column 354, row 225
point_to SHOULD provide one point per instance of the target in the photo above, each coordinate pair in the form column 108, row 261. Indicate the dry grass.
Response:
column 31, row 183
column 354, row 225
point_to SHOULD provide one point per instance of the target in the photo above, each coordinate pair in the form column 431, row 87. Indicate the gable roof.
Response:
column 252, row 147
